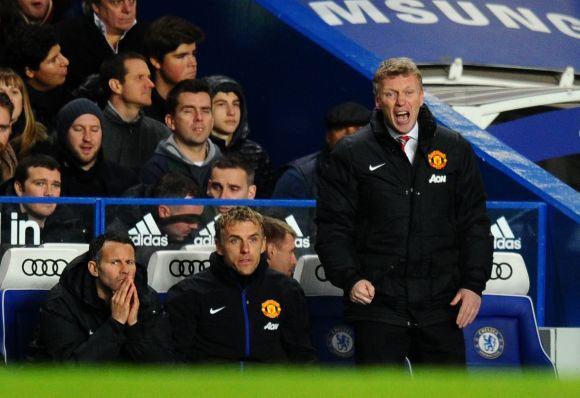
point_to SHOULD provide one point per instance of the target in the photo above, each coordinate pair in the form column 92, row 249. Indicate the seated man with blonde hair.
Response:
column 280, row 238
column 210, row 325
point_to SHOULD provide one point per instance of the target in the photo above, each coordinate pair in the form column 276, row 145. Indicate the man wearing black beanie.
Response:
column 84, row 170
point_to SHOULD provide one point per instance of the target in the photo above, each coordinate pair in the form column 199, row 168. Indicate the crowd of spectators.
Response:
column 105, row 105
column 117, row 103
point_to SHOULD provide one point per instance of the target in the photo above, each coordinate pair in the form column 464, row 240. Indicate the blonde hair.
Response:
column 236, row 215
column 276, row 230
column 396, row 67
column 33, row 131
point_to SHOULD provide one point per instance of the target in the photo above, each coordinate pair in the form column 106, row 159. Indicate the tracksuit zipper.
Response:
column 246, row 323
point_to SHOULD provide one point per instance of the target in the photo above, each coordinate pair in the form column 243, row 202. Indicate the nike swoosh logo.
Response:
column 373, row 168
column 212, row 311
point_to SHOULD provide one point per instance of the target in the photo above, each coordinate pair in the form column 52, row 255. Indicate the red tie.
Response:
column 403, row 139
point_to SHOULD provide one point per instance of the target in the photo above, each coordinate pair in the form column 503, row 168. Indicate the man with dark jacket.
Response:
column 109, row 28
column 188, row 150
column 402, row 228
column 231, row 130
column 210, row 325
column 102, row 309
column 300, row 178
column 36, row 223
column 176, row 223
column 129, row 137
column 84, row 170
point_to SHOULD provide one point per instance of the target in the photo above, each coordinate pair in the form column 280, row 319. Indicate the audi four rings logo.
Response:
column 43, row 267
column 319, row 271
column 179, row 268
column 501, row 271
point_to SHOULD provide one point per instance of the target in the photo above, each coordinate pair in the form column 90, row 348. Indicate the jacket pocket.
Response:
column 384, row 272
column 445, row 274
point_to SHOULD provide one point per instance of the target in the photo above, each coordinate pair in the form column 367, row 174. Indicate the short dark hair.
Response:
column 175, row 185
column 169, row 32
column 6, row 104
column 114, row 68
column 185, row 86
column 44, row 161
column 28, row 46
column 234, row 161
column 96, row 245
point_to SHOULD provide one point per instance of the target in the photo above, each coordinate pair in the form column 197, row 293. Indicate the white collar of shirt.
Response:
column 103, row 28
column 411, row 146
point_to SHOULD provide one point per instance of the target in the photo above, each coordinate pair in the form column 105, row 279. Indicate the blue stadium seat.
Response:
column 19, row 321
column 330, row 336
column 505, row 334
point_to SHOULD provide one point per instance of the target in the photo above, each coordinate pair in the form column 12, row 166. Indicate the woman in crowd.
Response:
column 28, row 136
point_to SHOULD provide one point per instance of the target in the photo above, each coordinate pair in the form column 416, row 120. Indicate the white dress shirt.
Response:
column 411, row 146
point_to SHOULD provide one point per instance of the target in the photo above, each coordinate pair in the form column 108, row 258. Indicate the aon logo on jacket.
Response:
column 437, row 179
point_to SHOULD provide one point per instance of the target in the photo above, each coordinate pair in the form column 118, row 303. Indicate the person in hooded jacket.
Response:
column 102, row 310
column 231, row 130
column 188, row 150
column 84, row 170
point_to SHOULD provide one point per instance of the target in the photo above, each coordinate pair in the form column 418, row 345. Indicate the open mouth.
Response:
column 402, row 117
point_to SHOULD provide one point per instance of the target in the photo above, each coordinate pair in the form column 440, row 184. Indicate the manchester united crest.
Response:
column 437, row 160
column 271, row 309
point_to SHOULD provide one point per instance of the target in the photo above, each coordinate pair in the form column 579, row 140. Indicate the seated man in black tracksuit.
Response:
column 102, row 309
column 209, row 324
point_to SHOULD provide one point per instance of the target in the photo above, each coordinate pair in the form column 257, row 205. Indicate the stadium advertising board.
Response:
column 481, row 32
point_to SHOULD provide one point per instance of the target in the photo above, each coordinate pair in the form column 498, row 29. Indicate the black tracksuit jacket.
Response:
column 418, row 232
column 76, row 325
column 219, row 316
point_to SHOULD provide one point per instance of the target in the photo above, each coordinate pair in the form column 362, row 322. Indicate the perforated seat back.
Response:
column 33, row 267
column 167, row 267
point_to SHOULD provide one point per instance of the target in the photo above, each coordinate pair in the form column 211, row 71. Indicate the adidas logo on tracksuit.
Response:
column 147, row 233
column 503, row 236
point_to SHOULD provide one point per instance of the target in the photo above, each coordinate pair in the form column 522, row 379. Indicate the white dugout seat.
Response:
column 79, row 247
column 167, row 267
column 196, row 248
column 33, row 267
column 509, row 275
column 310, row 274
